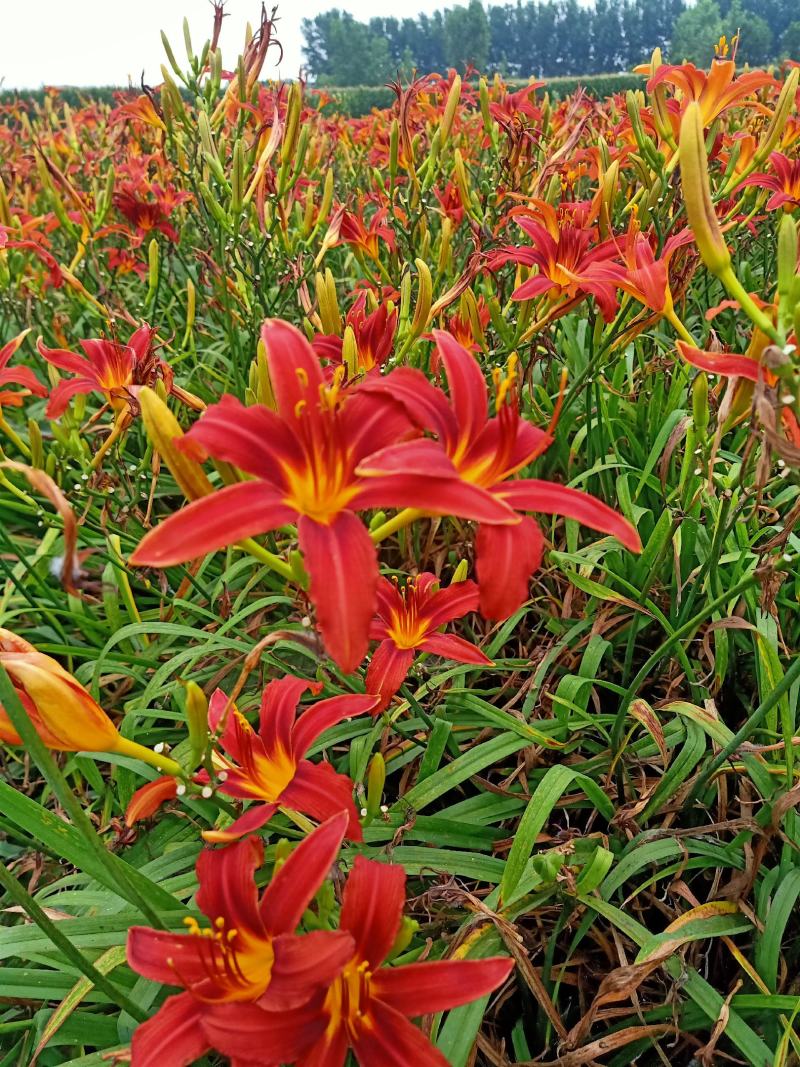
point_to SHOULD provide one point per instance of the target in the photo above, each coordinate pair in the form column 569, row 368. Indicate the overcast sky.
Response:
column 106, row 42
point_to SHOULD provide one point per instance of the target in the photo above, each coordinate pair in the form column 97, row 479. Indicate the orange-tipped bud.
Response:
column 62, row 712
column 697, row 193
column 65, row 715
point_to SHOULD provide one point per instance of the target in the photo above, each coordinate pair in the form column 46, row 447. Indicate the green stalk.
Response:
column 750, row 726
column 682, row 631
column 36, row 913
column 43, row 759
column 401, row 519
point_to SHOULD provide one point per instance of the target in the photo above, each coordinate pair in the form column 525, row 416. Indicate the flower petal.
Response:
column 279, row 703
column 419, row 456
column 386, row 1038
column 294, row 368
column 314, row 721
column 729, row 366
column 452, row 602
column 228, row 886
column 295, row 884
column 468, row 393
column 533, row 287
column 172, row 959
column 64, row 359
column 424, row 988
column 550, row 498
column 254, row 439
column 432, row 495
column 61, row 395
column 318, row 790
column 254, row 818
column 302, row 964
column 372, row 908
column 148, row 799
column 387, row 670
column 453, row 647
column 329, row 1051
column 342, row 564
column 261, row 1038
column 427, row 405
column 505, row 559
column 213, row 522
column 173, row 1037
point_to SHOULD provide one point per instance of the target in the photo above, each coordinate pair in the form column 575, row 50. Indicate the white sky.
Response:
column 106, row 42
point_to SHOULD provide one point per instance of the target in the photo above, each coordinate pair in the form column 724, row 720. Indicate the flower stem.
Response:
column 748, row 305
column 14, row 437
column 116, row 433
column 126, row 747
column 268, row 558
column 401, row 519
column 679, row 328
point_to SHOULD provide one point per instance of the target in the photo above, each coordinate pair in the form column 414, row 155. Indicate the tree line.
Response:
column 545, row 38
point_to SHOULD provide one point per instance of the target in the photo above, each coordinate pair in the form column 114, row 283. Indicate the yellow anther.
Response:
column 302, row 376
column 219, row 922
column 231, row 934
column 298, row 408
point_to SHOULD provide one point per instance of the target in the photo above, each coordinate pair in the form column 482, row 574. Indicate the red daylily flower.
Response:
column 460, row 326
column 270, row 766
column 511, row 108
column 640, row 274
column 108, row 367
column 716, row 91
column 249, row 954
column 450, row 203
column 785, row 182
column 487, row 452
column 564, row 258
column 408, row 620
column 153, row 214
column 366, row 237
column 367, row 1007
column 374, row 334
column 304, row 459
column 23, row 376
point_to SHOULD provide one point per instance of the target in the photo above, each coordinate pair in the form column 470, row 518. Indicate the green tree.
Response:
column 790, row 41
column 696, row 32
column 342, row 51
column 466, row 36
column 608, row 37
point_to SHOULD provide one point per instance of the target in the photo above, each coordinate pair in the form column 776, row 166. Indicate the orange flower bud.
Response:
column 65, row 716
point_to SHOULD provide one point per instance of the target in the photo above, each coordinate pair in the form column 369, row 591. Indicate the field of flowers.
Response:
column 398, row 573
